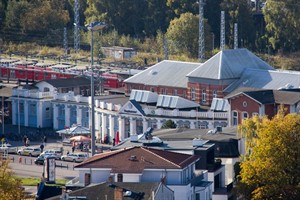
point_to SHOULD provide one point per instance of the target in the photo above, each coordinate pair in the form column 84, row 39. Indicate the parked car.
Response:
column 29, row 151
column 41, row 158
column 74, row 157
column 54, row 152
column 8, row 148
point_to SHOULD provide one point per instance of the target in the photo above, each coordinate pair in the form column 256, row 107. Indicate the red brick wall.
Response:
column 209, row 92
column 237, row 105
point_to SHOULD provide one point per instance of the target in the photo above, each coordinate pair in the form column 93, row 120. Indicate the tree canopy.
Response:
column 43, row 21
column 10, row 187
column 272, row 168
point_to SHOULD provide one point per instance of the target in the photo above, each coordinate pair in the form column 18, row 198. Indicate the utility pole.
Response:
column 236, row 43
column 65, row 42
column 201, row 54
column 76, row 28
column 222, row 38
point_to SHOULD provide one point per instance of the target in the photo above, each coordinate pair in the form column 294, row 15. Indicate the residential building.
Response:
column 142, row 165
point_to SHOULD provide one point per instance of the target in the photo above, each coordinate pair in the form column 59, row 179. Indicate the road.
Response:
column 27, row 168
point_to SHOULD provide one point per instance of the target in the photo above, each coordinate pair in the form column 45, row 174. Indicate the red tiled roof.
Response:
column 136, row 159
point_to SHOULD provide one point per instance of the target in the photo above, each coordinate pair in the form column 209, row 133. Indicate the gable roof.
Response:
column 143, row 96
column 229, row 64
column 271, row 96
column 266, row 79
column 68, row 82
column 132, row 107
column 137, row 159
column 166, row 73
column 168, row 101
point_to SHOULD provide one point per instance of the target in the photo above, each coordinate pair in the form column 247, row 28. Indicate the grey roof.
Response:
column 168, row 101
column 266, row 79
column 166, row 73
column 229, row 64
column 143, row 96
column 219, row 104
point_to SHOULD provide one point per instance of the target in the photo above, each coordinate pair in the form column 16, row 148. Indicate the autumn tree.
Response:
column 10, row 187
column 271, row 170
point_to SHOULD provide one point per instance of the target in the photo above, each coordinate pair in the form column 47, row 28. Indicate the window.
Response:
column 48, row 114
column 152, row 89
column 254, row 114
column 215, row 95
column 32, row 109
column 162, row 91
column 46, row 89
column 120, row 178
column 175, row 92
column 184, row 94
column 166, row 91
column 21, row 107
column 245, row 104
column 234, row 118
column 203, row 95
column 193, row 94
column 245, row 115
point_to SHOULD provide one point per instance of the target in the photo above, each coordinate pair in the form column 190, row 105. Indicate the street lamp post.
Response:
column 94, row 26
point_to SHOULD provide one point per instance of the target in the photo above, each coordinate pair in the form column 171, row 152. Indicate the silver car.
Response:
column 74, row 157
column 29, row 151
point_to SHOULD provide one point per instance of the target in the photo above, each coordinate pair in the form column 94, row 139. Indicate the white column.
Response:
column 103, row 126
column 192, row 125
column 97, row 121
column 38, row 115
column 67, row 116
column 14, row 112
column 132, row 126
column 40, row 110
column 111, row 127
column 79, row 115
column 145, row 125
column 159, row 124
column 121, row 128
column 55, row 115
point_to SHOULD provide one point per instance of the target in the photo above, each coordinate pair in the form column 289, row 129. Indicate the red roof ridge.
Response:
column 148, row 150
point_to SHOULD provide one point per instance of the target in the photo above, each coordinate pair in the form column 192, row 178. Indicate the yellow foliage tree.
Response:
column 272, row 169
column 10, row 187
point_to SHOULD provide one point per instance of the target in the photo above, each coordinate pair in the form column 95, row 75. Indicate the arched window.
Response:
column 203, row 95
column 245, row 115
column 46, row 89
column 193, row 94
column 215, row 95
column 234, row 118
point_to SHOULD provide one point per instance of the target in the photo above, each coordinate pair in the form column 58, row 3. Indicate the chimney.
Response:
column 118, row 193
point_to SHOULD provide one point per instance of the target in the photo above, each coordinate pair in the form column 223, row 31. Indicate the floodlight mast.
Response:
column 94, row 26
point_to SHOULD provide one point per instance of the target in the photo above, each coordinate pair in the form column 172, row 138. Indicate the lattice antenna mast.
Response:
column 76, row 28
column 236, row 44
column 166, row 48
column 222, row 38
column 65, row 42
column 201, row 54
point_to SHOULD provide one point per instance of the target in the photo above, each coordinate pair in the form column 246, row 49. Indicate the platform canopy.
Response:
column 74, row 130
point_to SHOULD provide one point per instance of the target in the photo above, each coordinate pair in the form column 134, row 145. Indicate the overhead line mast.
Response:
column 76, row 28
column 201, row 54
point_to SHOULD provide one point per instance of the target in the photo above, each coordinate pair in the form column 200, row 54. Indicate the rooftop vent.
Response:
column 133, row 158
column 199, row 142
column 134, row 138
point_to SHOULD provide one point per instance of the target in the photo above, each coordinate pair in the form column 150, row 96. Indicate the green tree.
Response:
column 169, row 124
column 282, row 23
column 272, row 169
column 238, row 11
column 10, row 187
column 183, row 34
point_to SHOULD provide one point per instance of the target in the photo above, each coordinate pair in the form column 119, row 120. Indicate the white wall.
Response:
column 173, row 177
column 164, row 193
column 41, row 85
column 181, row 192
column 229, row 169
column 97, row 176
column 133, row 178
